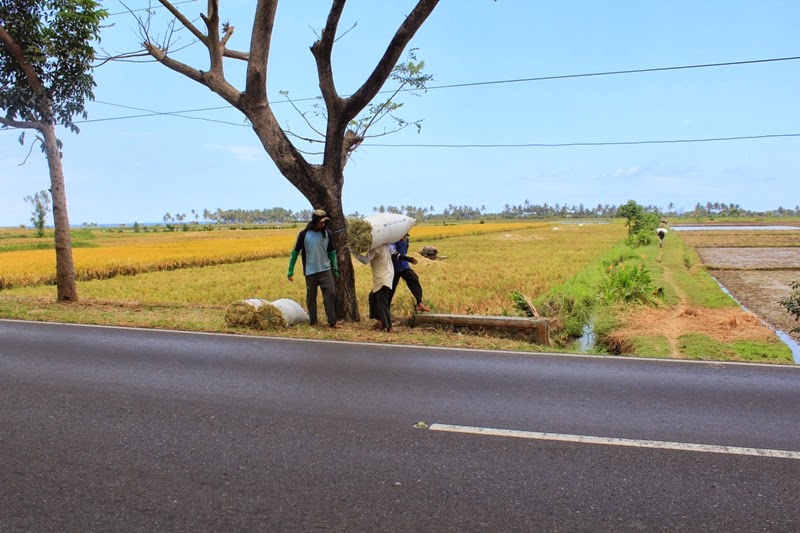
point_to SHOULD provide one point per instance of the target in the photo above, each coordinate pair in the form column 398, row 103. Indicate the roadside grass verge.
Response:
column 699, row 346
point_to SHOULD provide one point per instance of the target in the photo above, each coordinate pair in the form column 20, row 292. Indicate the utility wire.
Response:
column 556, row 145
column 151, row 113
column 615, row 72
column 181, row 114
column 149, row 8
column 474, row 84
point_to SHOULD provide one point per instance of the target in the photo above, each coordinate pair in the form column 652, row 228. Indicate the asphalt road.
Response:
column 106, row 429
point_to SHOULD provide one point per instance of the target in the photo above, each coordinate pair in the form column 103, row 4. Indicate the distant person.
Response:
column 380, row 261
column 315, row 246
column 402, row 269
column 661, row 234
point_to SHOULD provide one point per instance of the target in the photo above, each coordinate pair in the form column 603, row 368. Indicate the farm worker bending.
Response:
column 380, row 260
column 315, row 246
column 402, row 269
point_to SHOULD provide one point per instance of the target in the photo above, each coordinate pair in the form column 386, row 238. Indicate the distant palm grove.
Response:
column 279, row 215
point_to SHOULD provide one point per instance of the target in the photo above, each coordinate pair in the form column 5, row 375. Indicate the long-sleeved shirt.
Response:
column 399, row 260
column 380, row 260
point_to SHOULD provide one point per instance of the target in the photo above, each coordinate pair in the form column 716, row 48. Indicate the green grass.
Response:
column 698, row 346
column 657, row 346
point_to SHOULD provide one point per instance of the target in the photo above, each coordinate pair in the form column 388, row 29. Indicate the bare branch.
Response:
column 347, row 31
column 322, row 50
column 378, row 114
column 123, row 58
column 260, row 41
column 308, row 123
column 212, row 42
column 184, row 21
column 19, row 55
column 390, row 132
column 20, row 124
column 390, row 57
column 228, row 33
column 290, row 133
column 35, row 140
column 181, row 68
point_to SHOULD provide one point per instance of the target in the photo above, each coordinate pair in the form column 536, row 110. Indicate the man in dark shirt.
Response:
column 402, row 269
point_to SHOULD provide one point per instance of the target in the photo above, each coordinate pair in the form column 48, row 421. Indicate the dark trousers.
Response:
column 323, row 280
column 412, row 281
column 379, row 307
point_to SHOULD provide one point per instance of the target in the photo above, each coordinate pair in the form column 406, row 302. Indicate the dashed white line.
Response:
column 610, row 441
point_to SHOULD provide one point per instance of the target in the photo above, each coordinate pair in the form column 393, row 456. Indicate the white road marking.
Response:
column 587, row 439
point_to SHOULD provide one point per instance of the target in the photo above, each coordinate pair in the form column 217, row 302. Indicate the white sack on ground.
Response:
column 293, row 313
column 263, row 314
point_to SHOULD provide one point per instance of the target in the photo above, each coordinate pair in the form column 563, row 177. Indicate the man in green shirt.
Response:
column 315, row 247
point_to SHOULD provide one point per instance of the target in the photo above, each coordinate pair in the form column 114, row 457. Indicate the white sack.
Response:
column 293, row 313
column 388, row 228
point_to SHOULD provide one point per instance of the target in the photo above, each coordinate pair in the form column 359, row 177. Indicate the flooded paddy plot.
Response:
column 757, row 276
column 761, row 258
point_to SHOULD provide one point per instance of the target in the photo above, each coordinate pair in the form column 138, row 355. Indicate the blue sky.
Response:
column 137, row 169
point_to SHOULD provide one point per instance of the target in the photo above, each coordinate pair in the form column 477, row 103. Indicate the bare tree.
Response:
column 321, row 183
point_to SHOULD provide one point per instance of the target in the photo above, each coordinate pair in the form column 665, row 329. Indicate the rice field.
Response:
column 124, row 254
column 484, row 264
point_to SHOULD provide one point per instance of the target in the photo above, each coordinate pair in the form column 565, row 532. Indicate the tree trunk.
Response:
column 346, row 297
column 65, row 270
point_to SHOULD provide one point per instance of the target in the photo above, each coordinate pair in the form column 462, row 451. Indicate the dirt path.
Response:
column 673, row 322
column 672, row 336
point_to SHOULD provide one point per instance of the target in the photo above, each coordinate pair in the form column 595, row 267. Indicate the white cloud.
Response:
column 630, row 171
column 242, row 152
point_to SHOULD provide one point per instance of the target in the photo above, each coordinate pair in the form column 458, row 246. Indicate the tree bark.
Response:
column 346, row 297
column 65, row 270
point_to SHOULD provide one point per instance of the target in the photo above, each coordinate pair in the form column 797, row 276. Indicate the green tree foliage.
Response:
column 631, row 212
column 40, row 202
column 641, row 224
column 52, row 80
column 46, row 55
column 792, row 303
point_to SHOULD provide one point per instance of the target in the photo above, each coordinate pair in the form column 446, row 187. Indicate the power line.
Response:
column 557, row 145
column 471, row 84
column 557, row 77
column 181, row 113
column 151, row 113
column 616, row 72
column 148, row 8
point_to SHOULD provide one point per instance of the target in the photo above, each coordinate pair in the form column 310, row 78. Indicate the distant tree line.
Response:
column 525, row 210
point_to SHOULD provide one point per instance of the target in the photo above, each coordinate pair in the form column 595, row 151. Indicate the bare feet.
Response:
column 423, row 308
column 335, row 326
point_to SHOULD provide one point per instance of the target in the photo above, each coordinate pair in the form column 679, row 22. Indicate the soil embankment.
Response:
column 758, row 277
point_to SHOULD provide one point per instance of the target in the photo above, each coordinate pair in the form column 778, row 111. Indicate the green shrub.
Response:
column 628, row 283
